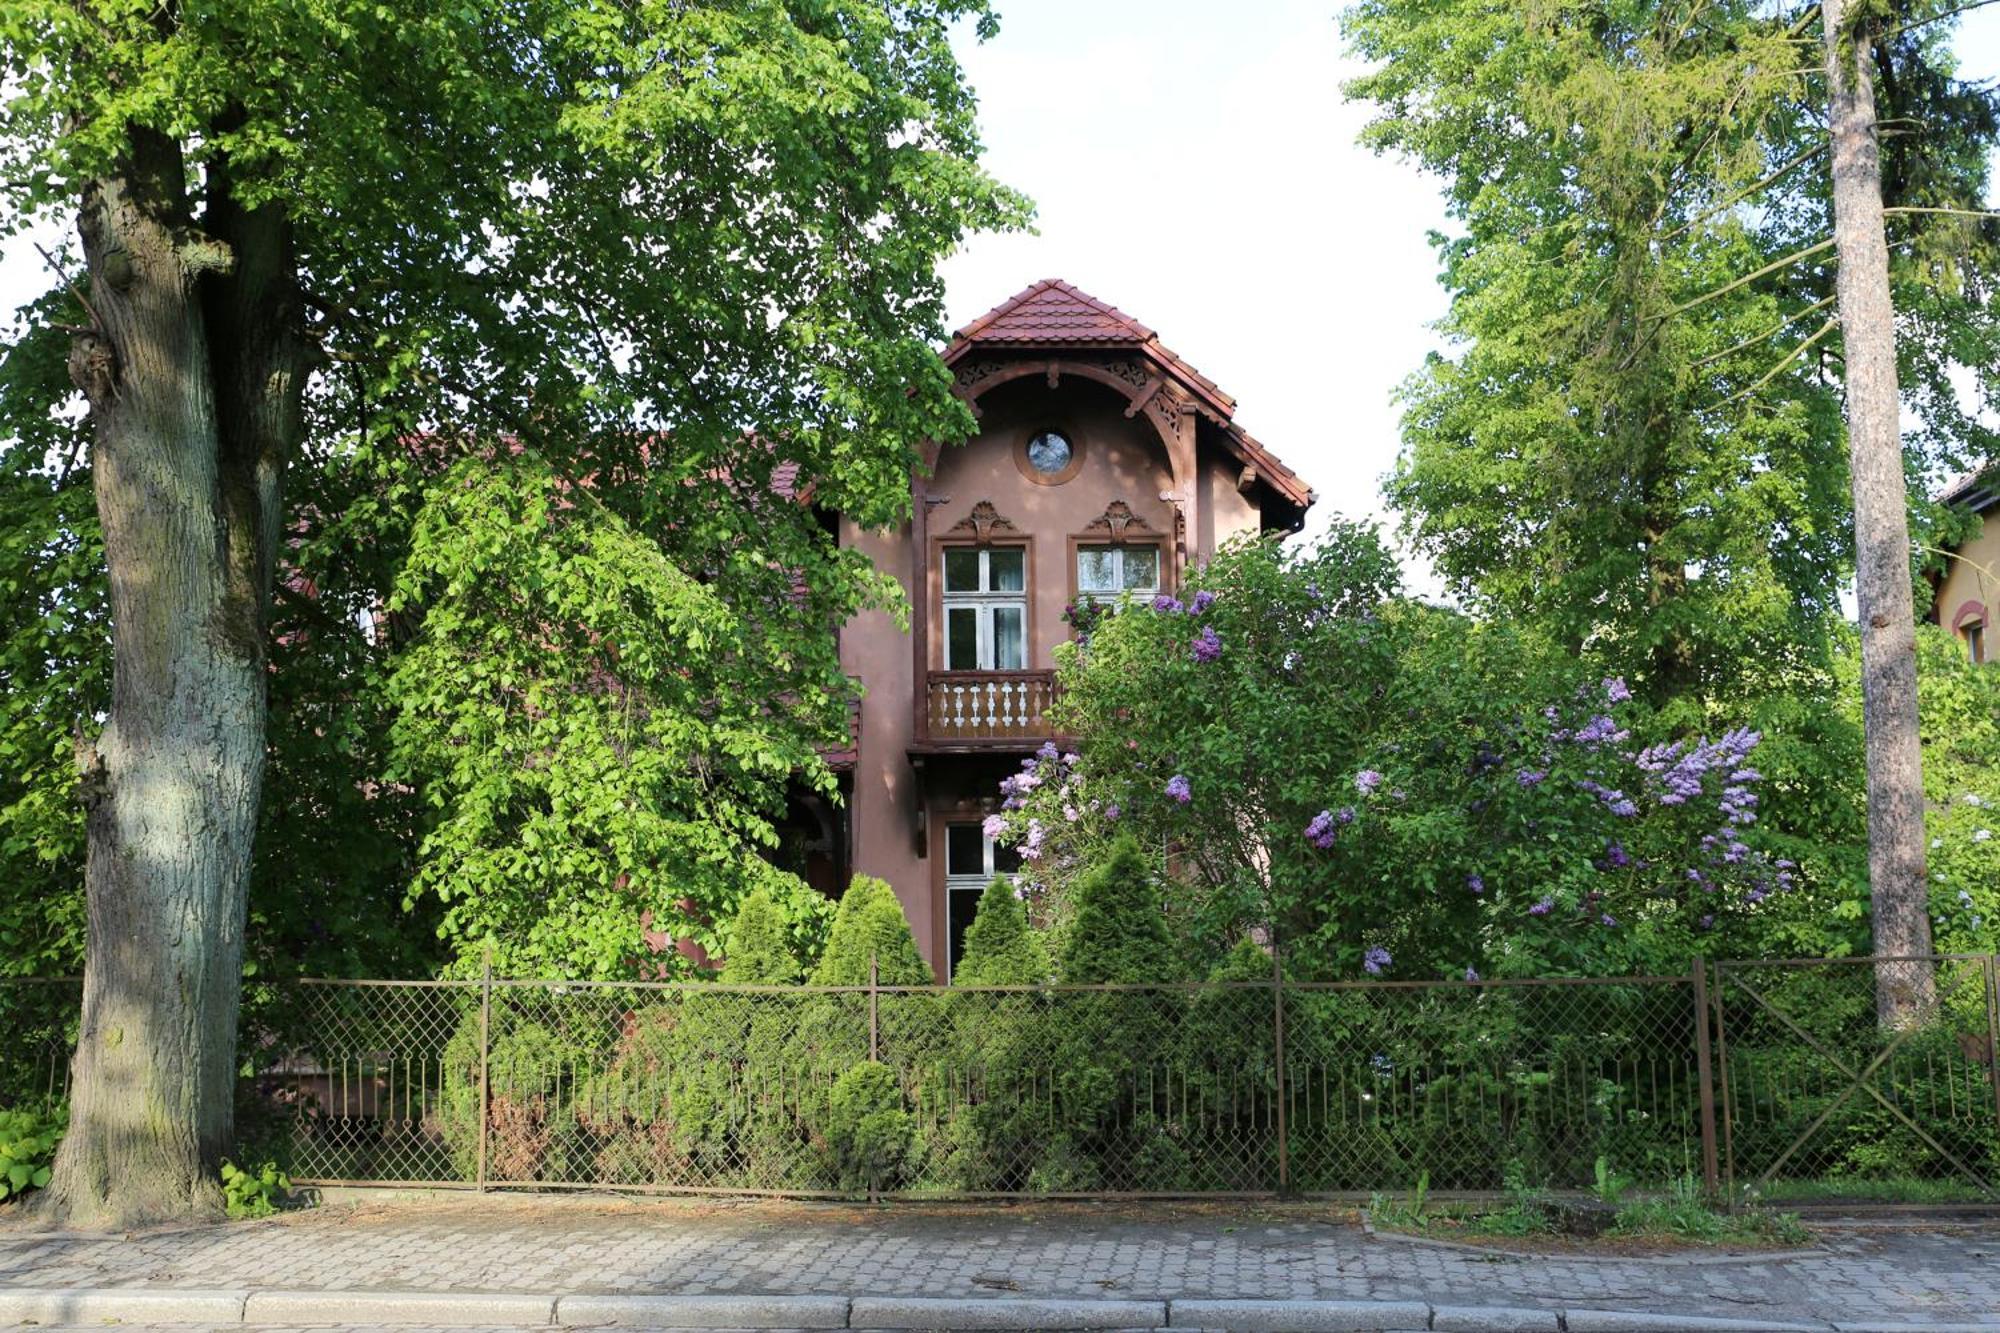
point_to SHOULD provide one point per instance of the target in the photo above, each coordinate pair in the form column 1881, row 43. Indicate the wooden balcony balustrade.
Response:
column 974, row 706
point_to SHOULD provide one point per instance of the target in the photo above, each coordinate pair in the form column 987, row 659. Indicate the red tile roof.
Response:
column 1053, row 313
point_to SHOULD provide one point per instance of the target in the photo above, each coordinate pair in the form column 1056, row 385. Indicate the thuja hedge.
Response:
column 1161, row 1087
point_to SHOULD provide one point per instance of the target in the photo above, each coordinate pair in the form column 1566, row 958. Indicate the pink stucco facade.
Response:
column 1156, row 466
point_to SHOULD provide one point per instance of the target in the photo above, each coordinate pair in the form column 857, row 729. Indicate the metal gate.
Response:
column 1822, row 1103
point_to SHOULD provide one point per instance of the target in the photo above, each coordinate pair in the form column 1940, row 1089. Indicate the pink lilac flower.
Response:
column 1072, row 759
column 1376, row 960
column 994, row 826
column 1207, row 645
column 1367, row 780
column 1071, row 814
column 1542, row 908
column 1202, row 601
column 1179, row 790
column 1031, row 847
column 1616, row 690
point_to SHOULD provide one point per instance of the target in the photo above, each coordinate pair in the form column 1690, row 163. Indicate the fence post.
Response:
column 1993, row 1031
column 1710, row 1170
column 1278, row 1065
column 485, row 1047
column 874, row 1051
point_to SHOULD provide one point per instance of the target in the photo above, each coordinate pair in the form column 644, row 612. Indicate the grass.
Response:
column 1676, row 1213
column 1683, row 1214
column 1883, row 1189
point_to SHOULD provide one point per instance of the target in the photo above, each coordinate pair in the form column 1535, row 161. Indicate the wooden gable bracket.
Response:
column 1144, row 396
column 1246, row 480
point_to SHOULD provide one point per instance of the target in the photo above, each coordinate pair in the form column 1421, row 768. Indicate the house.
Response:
column 1966, row 595
column 1103, row 465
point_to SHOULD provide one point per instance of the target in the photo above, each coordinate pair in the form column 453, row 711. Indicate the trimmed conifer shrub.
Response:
column 1119, row 933
column 1001, row 948
column 758, row 954
column 870, row 923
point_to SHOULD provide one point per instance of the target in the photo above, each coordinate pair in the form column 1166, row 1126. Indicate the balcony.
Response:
column 986, row 709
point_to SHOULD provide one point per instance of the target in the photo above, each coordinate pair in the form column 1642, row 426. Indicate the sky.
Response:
column 1194, row 164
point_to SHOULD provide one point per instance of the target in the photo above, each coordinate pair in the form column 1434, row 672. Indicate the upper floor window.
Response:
column 1104, row 573
column 985, row 608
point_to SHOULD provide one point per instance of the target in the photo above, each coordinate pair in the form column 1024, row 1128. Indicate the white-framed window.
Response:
column 971, row 860
column 1105, row 573
column 985, row 608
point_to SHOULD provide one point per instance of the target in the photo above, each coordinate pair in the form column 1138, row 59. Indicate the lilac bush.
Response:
column 1377, row 780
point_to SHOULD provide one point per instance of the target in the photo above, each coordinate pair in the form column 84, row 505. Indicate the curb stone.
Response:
column 1493, row 1319
column 128, row 1305
column 396, row 1307
column 1618, row 1321
column 923, row 1312
column 703, row 1311
column 1298, row 1316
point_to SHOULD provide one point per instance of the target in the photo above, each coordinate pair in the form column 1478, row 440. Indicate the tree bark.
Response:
column 191, row 419
column 1905, row 992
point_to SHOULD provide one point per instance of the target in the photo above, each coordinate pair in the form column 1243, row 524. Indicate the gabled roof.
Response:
column 1976, row 490
column 1054, row 314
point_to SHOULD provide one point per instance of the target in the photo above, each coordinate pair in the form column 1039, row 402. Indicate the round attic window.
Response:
column 1049, row 452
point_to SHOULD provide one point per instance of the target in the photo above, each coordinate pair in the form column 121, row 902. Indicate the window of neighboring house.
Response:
column 971, row 860
column 1104, row 573
column 1975, row 640
column 985, row 608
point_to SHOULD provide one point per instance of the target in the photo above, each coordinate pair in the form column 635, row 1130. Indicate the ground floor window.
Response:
column 971, row 860
column 1975, row 641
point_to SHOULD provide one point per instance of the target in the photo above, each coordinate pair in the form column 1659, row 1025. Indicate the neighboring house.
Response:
column 1104, row 465
column 1966, row 596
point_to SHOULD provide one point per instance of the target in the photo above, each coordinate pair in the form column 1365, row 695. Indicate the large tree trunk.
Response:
column 1905, row 992
column 185, row 405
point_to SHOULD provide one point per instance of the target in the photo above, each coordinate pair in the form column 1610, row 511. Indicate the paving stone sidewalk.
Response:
column 1944, row 1275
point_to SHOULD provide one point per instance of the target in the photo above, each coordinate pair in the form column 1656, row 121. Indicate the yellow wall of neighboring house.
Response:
column 1968, row 597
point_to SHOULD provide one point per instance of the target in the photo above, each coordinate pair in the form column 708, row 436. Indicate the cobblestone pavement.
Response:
column 1943, row 1274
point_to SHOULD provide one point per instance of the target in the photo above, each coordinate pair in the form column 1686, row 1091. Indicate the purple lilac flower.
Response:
column 1047, row 754
column 1031, row 846
column 1529, row 777
column 1345, row 814
column 1178, row 789
column 1207, row 645
column 1623, row 808
column 1320, row 831
column 1616, row 690
column 1608, row 919
column 1111, row 812
column 1706, row 922
column 1168, row 604
column 1542, row 908
column 994, row 826
column 1471, row 974
column 1203, row 599
column 1376, row 960
column 1367, row 780
column 1475, row 883
column 1616, row 857
column 1599, row 730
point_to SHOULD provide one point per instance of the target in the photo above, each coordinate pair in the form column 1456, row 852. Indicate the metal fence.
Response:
column 1768, row 1081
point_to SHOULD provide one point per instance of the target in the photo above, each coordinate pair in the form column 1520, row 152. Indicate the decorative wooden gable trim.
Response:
column 984, row 521
column 1116, row 519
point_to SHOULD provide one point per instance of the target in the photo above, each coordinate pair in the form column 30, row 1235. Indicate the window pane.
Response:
column 961, row 641
column 1142, row 567
column 961, row 906
column 961, row 569
column 964, row 850
column 1009, row 643
column 1006, row 860
column 1096, row 569
column 1009, row 566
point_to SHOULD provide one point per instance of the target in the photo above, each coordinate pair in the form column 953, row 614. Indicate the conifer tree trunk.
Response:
column 193, row 375
column 1896, row 872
